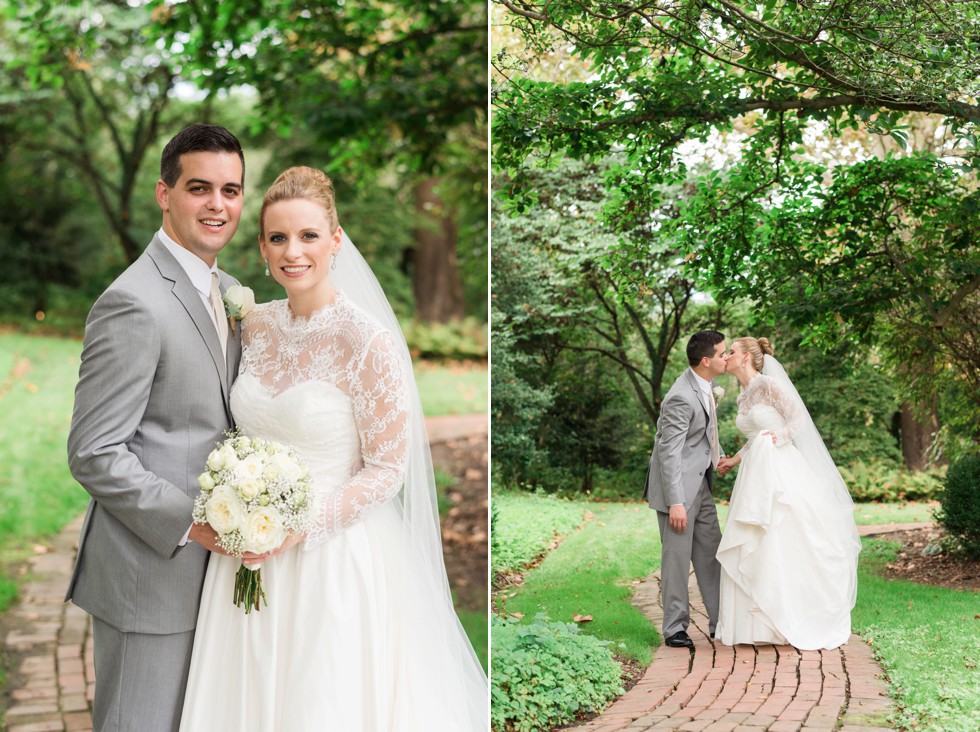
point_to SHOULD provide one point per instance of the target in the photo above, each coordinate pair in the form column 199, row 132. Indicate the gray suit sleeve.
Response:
column 119, row 361
column 675, row 419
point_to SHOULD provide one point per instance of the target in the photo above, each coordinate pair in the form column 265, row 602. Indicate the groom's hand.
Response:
column 207, row 537
column 678, row 518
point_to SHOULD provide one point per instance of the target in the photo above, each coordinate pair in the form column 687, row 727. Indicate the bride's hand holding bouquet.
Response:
column 256, row 496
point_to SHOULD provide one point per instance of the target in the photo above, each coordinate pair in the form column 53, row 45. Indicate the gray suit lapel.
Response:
column 693, row 382
column 184, row 291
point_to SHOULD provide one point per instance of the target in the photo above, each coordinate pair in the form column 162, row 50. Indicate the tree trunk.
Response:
column 436, row 279
column 918, row 424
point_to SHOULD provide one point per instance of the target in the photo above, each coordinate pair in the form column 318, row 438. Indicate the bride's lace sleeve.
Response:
column 769, row 391
column 379, row 397
column 787, row 406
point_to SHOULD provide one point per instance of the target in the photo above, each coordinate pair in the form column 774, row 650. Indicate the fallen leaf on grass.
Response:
column 581, row 618
column 517, row 615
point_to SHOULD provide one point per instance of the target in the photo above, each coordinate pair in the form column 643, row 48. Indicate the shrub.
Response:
column 545, row 673
column 456, row 340
column 880, row 481
column 959, row 510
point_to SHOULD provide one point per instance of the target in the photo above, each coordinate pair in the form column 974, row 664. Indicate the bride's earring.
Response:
column 333, row 262
column 267, row 268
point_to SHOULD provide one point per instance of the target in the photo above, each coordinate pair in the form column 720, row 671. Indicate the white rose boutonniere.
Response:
column 239, row 302
column 718, row 393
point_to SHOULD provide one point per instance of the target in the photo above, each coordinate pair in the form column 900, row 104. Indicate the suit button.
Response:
column 701, row 473
column 707, row 452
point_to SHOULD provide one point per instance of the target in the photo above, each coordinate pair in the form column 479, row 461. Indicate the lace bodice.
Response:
column 332, row 387
column 765, row 406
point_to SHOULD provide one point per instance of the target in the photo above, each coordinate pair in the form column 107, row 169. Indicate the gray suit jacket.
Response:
column 681, row 449
column 151, row 402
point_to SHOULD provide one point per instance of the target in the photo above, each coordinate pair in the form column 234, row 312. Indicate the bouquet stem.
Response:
column 248, row 589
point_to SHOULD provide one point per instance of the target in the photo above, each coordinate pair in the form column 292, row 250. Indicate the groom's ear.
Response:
column 163, row 196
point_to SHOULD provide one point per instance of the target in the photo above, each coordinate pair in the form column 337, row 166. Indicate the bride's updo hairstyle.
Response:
column 756, row 348
column 301, row 182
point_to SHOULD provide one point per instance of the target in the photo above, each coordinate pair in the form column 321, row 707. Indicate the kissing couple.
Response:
column 785, row 571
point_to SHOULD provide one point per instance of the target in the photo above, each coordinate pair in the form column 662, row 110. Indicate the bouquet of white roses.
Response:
column 254, row 493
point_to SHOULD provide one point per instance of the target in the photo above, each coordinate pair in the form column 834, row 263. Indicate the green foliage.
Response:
column 526, row 527
column 843, row 247
column 876, row 480
column 379, row 80
column 517, row 408
column 960, row 505
column 926, row 639
column 546, row 673
column 455, row 340
column 658, row 75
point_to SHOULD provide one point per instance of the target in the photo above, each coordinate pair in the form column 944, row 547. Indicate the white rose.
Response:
column 224, row 510
column 250, row 467
column 242, row 445
column 286, row 466
column 228, row 457
column 719, row 393
column 216, row 460
column 250, row 488
column 263, row 530
column 239, row 301
column 206, row 482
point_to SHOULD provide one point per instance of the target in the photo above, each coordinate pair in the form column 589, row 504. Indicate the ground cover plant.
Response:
column 928, row 641
column 526, row 526
column 546, row 673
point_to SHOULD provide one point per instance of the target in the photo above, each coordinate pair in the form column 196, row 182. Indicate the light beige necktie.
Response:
column 218, row 308
column 715, row 447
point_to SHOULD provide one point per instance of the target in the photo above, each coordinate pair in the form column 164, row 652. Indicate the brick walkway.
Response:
column 48, row 642
column 718, row 688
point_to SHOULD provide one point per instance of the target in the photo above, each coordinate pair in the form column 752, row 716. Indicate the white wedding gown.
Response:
column 356, row 637
column 787, row 555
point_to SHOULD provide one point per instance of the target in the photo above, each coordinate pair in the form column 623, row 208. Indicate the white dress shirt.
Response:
column 197, row 270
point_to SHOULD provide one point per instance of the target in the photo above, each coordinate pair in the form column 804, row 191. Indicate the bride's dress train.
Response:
column 788, row 553
column 354, row 637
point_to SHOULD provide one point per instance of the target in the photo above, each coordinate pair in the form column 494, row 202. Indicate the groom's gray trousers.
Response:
column 126, row 664
column 696, row 545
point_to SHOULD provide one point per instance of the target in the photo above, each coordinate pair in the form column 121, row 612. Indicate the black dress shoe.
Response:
column 680, row 639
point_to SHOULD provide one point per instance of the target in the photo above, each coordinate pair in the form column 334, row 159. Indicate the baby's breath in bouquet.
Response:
column 254, row 493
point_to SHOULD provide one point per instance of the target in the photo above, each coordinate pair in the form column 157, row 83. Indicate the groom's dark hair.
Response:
column 702, row 345
column 197, row 138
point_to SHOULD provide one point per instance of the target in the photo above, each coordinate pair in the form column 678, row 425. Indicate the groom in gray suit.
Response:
column 679, row 483
column 151, row 402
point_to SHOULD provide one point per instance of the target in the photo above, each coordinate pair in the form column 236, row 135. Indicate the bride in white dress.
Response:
column 359, row 632
column 789, row 551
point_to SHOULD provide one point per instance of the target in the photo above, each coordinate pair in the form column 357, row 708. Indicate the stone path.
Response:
column 47, row 642
column 718, row 688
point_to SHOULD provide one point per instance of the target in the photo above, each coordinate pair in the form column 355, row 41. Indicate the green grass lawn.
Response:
column 37, row 493
column 928, row 641
column 591, row 573
column 911, row 512
column 452, row 388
